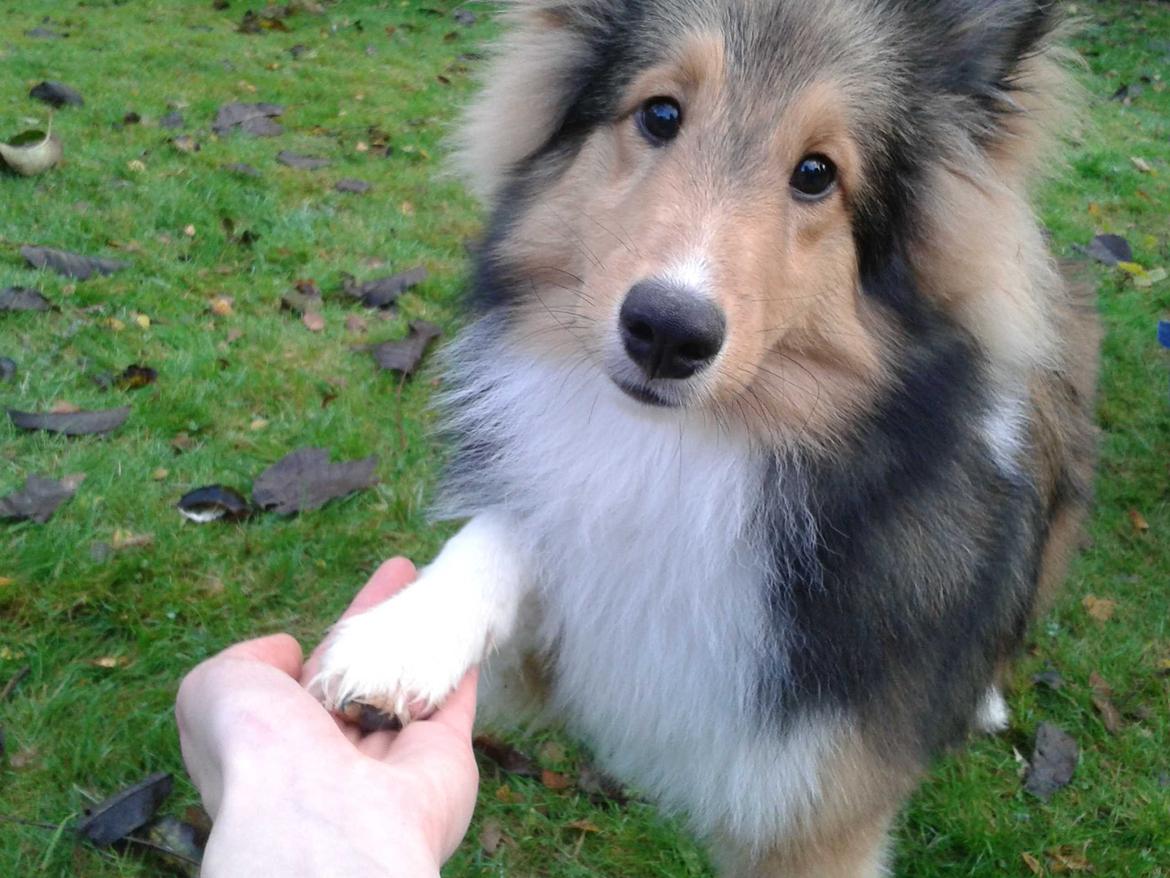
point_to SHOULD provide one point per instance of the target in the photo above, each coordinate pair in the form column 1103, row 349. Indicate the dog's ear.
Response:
column 979, row 47
column 528, row 87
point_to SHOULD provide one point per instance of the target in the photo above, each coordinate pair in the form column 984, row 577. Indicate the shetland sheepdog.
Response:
column 772, row 423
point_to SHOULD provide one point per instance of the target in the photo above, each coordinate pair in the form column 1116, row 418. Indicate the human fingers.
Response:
column 281, row 651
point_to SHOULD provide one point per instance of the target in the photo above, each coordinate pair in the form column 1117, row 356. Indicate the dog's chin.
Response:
column 649, row 396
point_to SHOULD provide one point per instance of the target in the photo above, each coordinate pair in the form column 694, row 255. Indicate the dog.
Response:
column 772, row 424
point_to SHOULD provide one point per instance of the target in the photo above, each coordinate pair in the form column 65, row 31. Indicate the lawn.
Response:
column 105, row 606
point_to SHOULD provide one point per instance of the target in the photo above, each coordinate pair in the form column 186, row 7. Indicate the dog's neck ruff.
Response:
column 654, row 578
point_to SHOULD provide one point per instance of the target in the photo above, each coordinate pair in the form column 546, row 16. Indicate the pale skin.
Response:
column 294, row 791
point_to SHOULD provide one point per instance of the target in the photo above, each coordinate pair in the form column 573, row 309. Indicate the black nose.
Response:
column 668, row 331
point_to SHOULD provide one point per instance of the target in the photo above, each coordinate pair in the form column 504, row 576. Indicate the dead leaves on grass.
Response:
column 72, row 265
column 404, row 356
column 39, row 498
column 79, row 423
column 254, row 119
column 383, row 292
column 1054, row 759
column 23, row 299
column 306, row 480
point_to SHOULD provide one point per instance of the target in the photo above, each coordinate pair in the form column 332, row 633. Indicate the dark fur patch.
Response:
column 925, row 562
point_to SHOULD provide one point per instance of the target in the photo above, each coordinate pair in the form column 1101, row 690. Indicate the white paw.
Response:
column 993, row 716
column 402, row 658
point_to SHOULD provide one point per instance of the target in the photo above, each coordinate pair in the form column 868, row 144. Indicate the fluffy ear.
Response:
column 526, row 89
column 985, row 44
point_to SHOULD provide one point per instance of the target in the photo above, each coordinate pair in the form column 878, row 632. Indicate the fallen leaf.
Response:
column 258, row 22
column 7, row 368
column 39, row 498
column 552, row 752
column 504, row 793
column 404, row 356
column 125, row 811
column 136, row 165
column 221, row 306
column 301, row 162
column 600, row 787
column 176, row 839
column 70, row 264
column 555, row 781
column 1101, row 609
column 56, row 94
column 305, row 297
column 32, row 152
column 1050, row 678
column 313, row 321
column 507, row 757
column 1068, row 859
column 214, row 503
column 1110, row 249
column 1102, row 694
column 73, row 423
column 254, row 119
column 1054, row 760
column 172, row 120
column 124, row 539
column 159, row 474
column 1150, row 277
column 356, row 324
column 185, row 143
column 110, row 662
column 464, row 17
column 305, row 480
column 6, row 581
column 1032, row 863
column 135, row 377
column 490, row 836
column 355, row 187
column 1138, row 521
column 23, row 299
column 182, row 442
column 242, row 169
column 583, row 826
column 258, row 424
column 382, row 292
column 1141, row 164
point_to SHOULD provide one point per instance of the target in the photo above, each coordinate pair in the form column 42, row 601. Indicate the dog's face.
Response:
column 708, row 184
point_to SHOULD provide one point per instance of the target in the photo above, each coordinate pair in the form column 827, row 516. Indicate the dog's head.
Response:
column 746, row 205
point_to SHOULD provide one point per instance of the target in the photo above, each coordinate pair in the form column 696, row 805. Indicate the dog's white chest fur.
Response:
column 652, row 596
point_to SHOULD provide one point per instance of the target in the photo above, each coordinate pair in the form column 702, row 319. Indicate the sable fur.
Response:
column 772, row 606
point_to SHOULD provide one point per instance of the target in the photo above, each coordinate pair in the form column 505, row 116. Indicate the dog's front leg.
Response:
column 406, row 655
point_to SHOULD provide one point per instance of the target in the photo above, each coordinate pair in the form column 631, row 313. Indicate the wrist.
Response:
column 313, row 822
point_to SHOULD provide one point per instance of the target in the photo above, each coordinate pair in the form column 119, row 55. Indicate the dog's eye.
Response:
column 814, row 177
column 660, row 119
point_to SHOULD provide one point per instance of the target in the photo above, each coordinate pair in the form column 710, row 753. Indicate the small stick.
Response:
column 14, row 682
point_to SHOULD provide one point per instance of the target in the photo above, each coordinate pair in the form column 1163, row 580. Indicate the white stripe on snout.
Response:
column 692, row 274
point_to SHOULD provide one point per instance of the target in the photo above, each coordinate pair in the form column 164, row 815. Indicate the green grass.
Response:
column 76, row 731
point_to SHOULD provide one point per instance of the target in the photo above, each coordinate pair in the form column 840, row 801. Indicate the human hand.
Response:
column 294, row 791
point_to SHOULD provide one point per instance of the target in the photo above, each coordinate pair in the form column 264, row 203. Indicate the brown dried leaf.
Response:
column 124, row 539
column 255, row 119
column 1101, row 609
column 135, row 377
column 1068, row 859
column 1102, row 700
column 313, row 321
column 382, row 292
column 490, row 837
column 302, row 162
column 125, row 811
column 70, row 264
column 305, row 480
column 404, row 356
column 71, row 424
column 1140, row 525
column 1054, row 760
column 507, row 757
column 39, row 499
column 583, row 826
column 554, row 780
column 1032, row 863
column 23, row 299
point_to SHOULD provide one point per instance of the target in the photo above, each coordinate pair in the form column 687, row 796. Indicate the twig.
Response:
column 14, row 682
column 36, row 823
column 158, row 848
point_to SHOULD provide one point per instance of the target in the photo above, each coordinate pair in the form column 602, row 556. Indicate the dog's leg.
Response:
column 405, row 656
column 860, row 854
column 856, row 851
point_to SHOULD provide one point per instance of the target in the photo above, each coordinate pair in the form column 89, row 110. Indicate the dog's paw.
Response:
column 390, row 661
